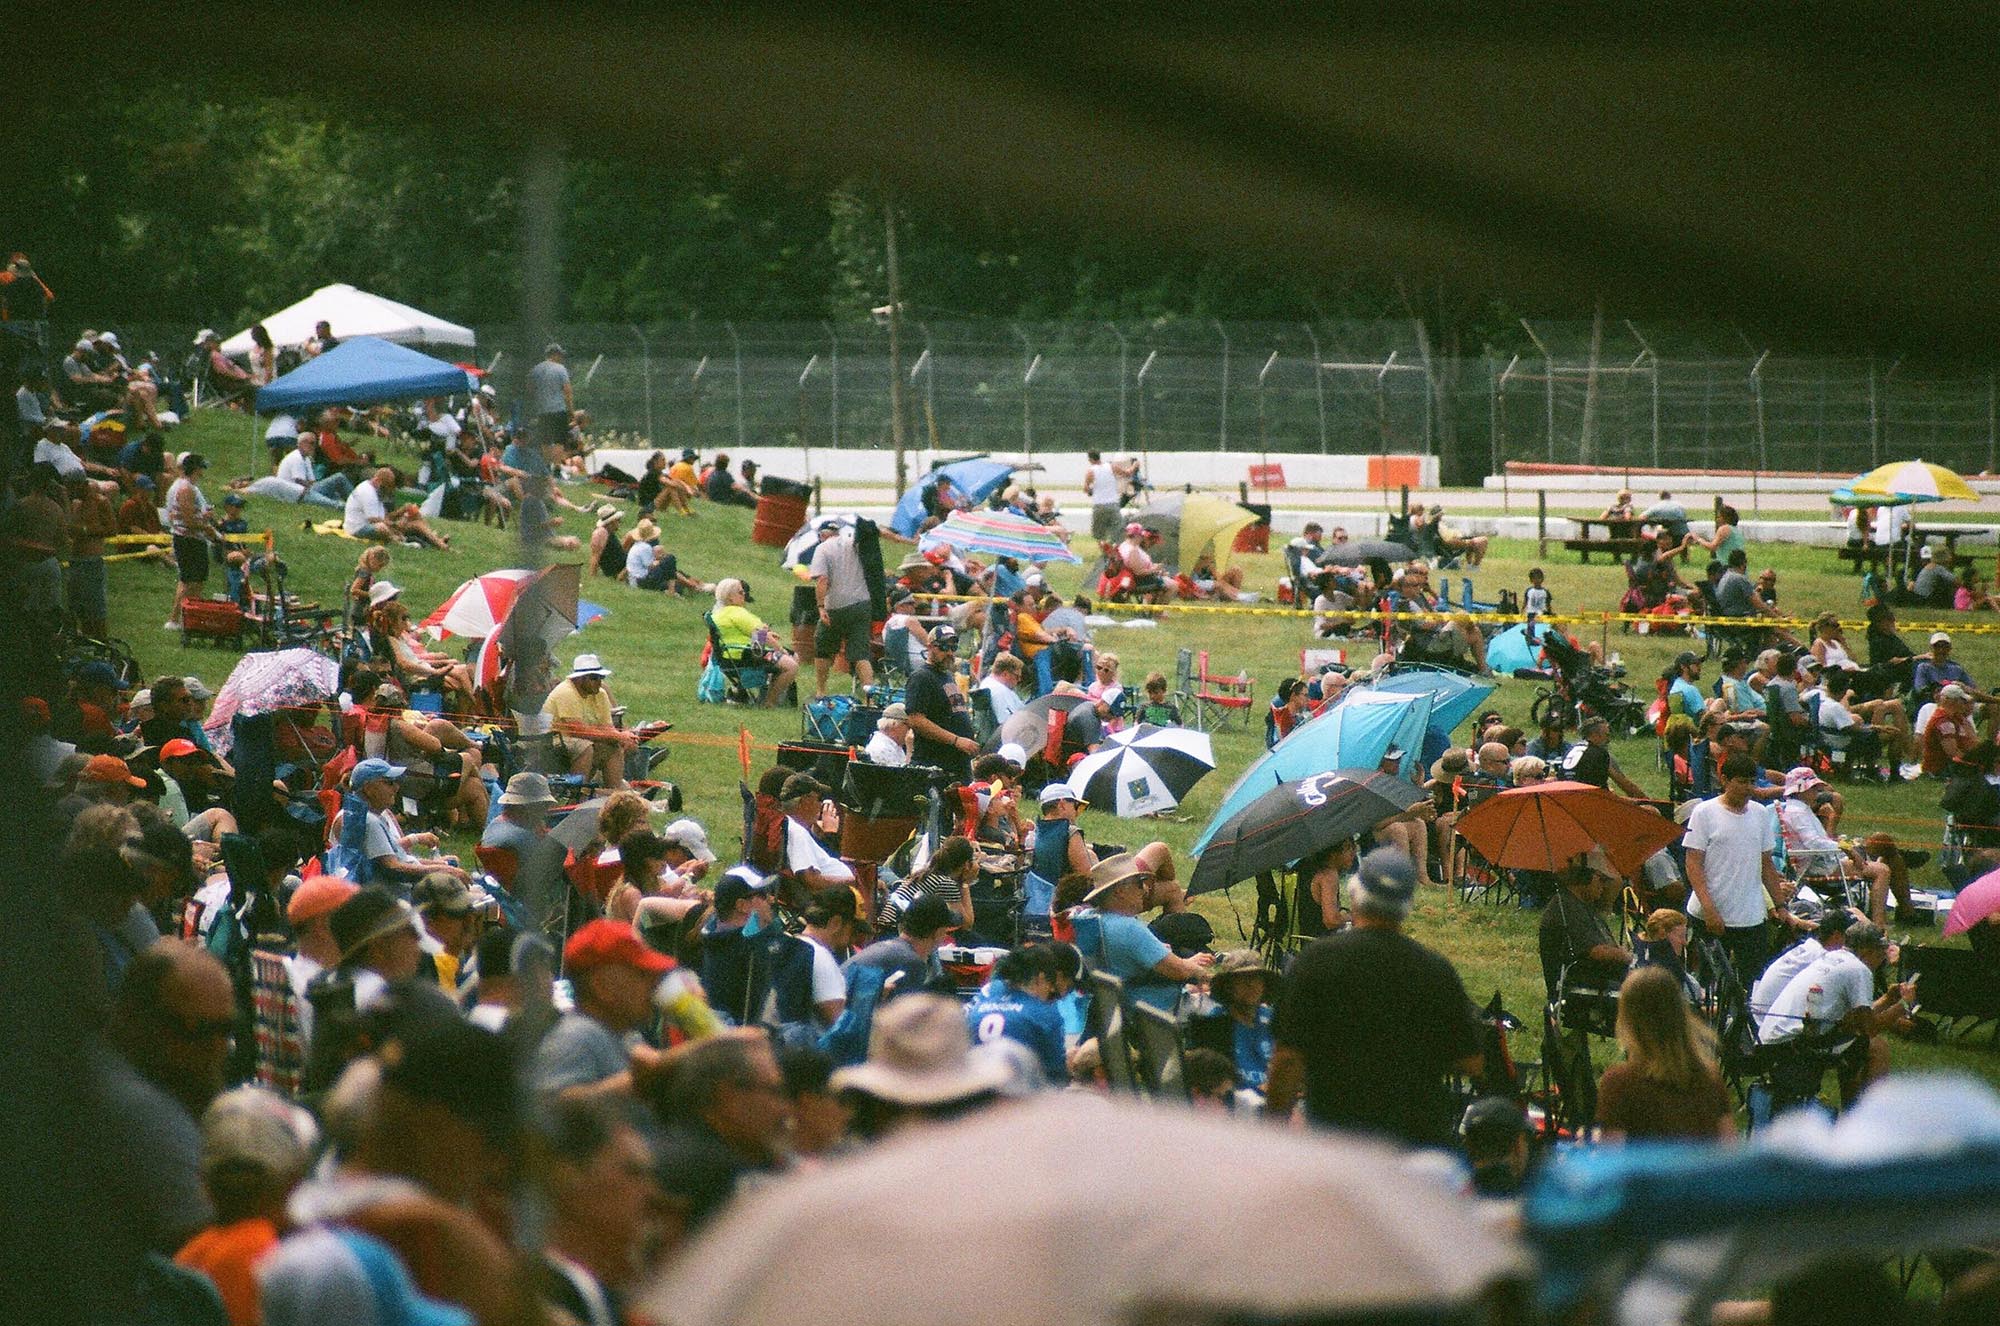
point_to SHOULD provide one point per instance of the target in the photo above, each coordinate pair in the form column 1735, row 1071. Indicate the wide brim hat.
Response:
column 920, row 1056
column 1109, row 873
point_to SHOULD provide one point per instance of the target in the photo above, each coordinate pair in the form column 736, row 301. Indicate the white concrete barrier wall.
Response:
column 1062, row 471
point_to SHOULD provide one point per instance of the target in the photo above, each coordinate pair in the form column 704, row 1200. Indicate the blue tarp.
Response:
column 976, row 479
column 1512, row 649
column 363, row 371
column 1354, row 734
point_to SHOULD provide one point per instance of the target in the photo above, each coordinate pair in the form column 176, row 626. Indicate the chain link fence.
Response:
column 1615, row 396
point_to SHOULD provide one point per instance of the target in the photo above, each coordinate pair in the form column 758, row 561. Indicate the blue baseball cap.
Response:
column 99, row 673
column 372, row 770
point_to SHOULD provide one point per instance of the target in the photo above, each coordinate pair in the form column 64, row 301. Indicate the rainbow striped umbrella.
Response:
column 998, row 534
column 1915, row 479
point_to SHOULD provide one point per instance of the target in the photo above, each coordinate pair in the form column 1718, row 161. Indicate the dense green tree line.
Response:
column 191, row 203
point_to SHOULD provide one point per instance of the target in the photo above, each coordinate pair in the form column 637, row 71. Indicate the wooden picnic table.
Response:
column 1620, row 537
column 1864, row 556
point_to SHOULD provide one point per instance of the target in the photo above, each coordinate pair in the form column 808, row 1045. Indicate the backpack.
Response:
column 846, row 1041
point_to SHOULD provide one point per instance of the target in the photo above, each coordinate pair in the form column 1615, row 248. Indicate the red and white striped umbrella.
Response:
column 477, row 607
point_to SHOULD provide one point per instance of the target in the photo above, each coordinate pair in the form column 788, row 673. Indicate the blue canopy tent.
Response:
column 1354, row 734
column 362, row 371
column 1663, row 1230
column 977, row 480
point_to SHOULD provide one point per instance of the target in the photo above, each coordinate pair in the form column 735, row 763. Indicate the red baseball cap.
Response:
column 180, row 748
column 109, row 769
column 607, row 943
column 318, row 897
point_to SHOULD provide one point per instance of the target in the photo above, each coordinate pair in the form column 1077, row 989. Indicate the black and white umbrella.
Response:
column 1143, row 770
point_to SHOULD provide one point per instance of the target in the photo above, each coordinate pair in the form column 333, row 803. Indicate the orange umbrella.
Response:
column 1547, row 826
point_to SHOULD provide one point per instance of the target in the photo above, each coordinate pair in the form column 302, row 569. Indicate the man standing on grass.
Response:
column 845, row 612
column 1730, row 842
column 1371, row 1022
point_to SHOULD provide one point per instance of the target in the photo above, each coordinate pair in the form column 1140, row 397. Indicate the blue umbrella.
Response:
column 1454, row 696
column 1513, row 648
column 1354, row 734
column 976, row 479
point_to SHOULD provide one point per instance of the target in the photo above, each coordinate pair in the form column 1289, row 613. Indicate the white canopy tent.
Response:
column 352, row 312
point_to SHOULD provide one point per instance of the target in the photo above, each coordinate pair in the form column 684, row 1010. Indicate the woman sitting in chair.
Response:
column 650, row 890
column 390, row 636
column 745, row 636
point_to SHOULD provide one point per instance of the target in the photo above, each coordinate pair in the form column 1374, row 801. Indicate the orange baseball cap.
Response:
column 318, row 897
column 608, row 943
column 109, row 769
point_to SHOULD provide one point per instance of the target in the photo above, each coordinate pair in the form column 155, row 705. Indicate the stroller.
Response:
column 1581, row 688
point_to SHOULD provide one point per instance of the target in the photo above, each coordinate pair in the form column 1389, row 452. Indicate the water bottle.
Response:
column 679, row 997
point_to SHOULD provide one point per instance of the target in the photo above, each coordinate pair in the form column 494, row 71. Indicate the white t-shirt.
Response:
column 1137, row 560
column 1833, row 715
column 1844, row 984
column 1006, row 700
column 295, row 468
column 1808, row 846
column 1101, row 482
column 1733, row 846
column 67, row 464
column 640, row 558
column 885, row 750
column 444, row 426
column 1779, row 974
column 364, row 509
column 803, row 852
column 827, row 982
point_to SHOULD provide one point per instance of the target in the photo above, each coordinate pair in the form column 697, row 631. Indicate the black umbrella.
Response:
column 1029, row 726
column 1294, row 820
column 1357, row 551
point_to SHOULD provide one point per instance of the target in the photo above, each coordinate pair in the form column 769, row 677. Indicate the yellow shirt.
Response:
column 564, row 705
column 683, row 471
column 736, row 625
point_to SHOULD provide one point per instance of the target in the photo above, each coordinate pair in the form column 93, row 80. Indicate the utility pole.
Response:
column 897, row 434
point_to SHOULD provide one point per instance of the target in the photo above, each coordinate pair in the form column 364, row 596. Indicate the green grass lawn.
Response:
column 653, row 642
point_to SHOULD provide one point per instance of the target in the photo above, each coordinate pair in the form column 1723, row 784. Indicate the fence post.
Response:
column 1319, row 384
column 1757, row 396
column 1121, row 382
column 1222, row 430
column 930, row 396
column 1145, row 453
column 1548, row 383
column 736, row 351
column 805, row 437
column 1874, row 419
column 1263, row 441
column 646, row 377
column 1493, row 426
column 1992, row 418
column 833, row 376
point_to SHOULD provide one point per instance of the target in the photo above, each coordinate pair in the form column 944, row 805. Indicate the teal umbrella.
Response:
column 1354, row 734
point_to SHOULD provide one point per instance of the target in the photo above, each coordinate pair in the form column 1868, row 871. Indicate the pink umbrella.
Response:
column 477, row 607
column 1975, row 902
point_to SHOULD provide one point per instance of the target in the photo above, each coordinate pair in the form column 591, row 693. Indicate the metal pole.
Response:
column 1654, row 358
column 897, row 435
column 833, row 377
column 1263, row 442
column 1757, row 395
column 1027, row 369
column 694, row 402
column 1992, row 418
column 1145, row 453
column 930, row 395
column 1500, row 427
column 736, row 350
column 646, row 375
column 1874, row 419
column 1222, row 431
column 1319, row 384
column 1027, row 409
column 805, row 438
column 1123, row 345
column 1549, row 382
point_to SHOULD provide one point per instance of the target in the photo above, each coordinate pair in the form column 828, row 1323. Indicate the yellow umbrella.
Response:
column 1914, row 478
